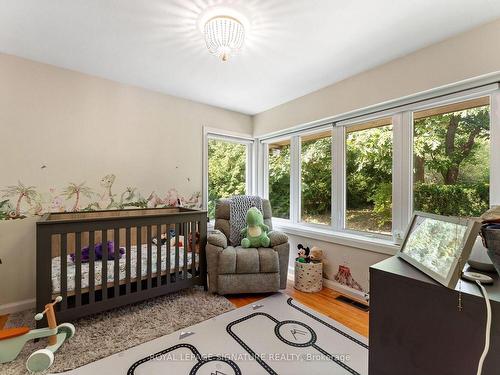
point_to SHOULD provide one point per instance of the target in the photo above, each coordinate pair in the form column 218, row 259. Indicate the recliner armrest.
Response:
column 277, row 238
column 217, row 238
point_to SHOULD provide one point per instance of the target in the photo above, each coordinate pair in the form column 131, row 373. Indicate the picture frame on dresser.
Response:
column 439, row 246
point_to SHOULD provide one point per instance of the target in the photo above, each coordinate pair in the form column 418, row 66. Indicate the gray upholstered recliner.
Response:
column 233, row 269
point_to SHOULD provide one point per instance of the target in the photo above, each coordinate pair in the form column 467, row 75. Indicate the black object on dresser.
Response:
column 416, row 327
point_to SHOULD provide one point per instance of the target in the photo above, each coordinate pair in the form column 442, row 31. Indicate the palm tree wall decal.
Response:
column 21, row 191
column 77, row 191
column 41, row 202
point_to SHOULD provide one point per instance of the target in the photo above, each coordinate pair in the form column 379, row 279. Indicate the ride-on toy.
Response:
column 12, row 340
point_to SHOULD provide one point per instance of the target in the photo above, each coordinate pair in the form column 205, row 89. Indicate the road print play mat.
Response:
column 277, row 335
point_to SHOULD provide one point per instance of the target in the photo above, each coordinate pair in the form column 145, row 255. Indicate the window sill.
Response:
column 364, row 242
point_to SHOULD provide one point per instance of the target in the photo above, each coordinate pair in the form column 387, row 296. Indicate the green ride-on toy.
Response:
column 12, row 340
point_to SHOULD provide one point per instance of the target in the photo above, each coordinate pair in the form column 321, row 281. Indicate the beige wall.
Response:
column 465, row 56
column 82, row 128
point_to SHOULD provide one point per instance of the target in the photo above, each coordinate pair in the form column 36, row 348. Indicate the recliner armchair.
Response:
column 233, row 269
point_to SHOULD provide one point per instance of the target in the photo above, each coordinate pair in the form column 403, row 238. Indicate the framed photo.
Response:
column 439, row 246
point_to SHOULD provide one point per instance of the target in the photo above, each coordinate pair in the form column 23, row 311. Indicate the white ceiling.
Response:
column 293, row 46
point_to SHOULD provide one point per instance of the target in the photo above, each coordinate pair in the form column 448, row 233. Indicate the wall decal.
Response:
column 344, row 277
column 21, row 201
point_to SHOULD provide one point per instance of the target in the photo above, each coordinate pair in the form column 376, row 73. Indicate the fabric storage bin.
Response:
column 308, row 277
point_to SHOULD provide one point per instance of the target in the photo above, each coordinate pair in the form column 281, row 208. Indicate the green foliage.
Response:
column 369, row 174
column 452, row 200
column 382, row 203
column 279, row 181
column 317, row 179
column 226, row 171
column 443, row 142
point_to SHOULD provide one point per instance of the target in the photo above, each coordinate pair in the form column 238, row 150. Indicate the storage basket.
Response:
column 308, row 277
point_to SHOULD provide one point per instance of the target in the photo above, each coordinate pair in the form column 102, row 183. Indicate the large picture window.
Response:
column 451, row 158
column 316, row 178
column 227, row 170
column 279, row 178
column 369, row 177
column 365, row 173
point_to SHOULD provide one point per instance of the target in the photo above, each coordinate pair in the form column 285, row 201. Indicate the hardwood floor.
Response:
column 324, row 302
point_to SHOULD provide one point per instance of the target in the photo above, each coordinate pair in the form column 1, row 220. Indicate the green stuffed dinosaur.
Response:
column 256, row 231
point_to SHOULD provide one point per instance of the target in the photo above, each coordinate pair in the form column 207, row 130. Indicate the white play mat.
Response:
column 277, row 335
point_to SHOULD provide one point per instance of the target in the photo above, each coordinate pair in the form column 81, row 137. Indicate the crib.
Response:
column 162, row 250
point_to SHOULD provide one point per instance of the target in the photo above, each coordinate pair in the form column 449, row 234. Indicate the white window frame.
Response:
column 295, row 175
column 342, row 177
column 264, row 150
column 317, row 130
column 251, row 163
column 401, row 111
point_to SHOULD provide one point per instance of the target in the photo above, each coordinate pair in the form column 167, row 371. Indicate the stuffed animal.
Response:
column 98, row 251
column 163, row 239
column 255, row 234
column 316, row 255
column 303, row 254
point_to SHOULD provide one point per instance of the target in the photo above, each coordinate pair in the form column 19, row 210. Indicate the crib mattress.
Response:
column 71, row 267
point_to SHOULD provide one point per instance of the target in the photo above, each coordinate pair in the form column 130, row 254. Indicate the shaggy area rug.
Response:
column 101, row 335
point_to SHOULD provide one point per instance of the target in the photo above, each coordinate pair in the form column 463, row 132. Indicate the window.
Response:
column 364, row 173
column 316, row 178
column 227, row 170
column 279, row 178
column 369, row 177
column 451, row 158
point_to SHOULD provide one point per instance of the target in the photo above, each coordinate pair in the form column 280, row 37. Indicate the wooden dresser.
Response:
column 417, row 329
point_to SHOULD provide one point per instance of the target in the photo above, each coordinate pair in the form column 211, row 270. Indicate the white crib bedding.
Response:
column 71, row 267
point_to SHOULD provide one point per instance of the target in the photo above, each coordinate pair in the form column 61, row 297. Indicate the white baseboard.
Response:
column 354, row 294
column 10, row 308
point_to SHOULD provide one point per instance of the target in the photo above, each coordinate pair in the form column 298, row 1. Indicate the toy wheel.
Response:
column 68, row 329
column 40, row 360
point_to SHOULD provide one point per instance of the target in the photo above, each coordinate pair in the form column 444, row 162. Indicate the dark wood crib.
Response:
column 94, row 281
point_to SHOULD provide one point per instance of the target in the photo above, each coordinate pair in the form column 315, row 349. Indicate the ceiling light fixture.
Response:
column 224, row 36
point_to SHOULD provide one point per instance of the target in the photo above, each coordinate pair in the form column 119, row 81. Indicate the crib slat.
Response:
column 138, row 275
column 78, row 271
column 202, row 258
column 185, row 246
column 127, row 260
column 158, row 255
column 104, row 265
column 64, row 271
column 177, row 229
column 116, row 271
column 150, row 255
column 167, row 266
column 193, row 249
column 91, row 267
